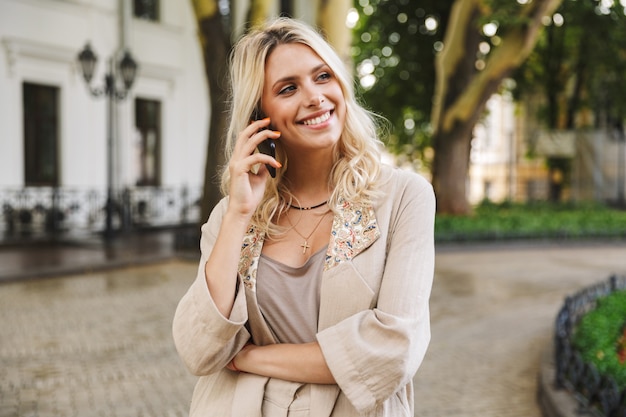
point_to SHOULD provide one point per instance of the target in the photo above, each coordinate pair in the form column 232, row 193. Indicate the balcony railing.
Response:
column 34, row 213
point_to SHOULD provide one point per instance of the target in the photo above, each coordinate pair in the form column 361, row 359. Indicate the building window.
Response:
column 41, row 131
column 148, row 145
column 146, row 9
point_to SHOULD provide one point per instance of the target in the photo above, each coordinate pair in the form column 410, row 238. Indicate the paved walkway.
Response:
column 33, row 261
column 98, row 343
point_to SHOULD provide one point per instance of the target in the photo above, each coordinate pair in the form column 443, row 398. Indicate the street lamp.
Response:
column 127, row 67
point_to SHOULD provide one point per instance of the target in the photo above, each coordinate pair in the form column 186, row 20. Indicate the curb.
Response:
column 553, row 402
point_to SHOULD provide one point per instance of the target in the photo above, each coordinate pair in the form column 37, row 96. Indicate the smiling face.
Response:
column 303, row 98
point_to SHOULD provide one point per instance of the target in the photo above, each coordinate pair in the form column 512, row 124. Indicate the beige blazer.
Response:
column 373, row 325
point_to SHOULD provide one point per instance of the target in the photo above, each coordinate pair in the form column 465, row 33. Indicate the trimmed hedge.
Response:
column 510, row 221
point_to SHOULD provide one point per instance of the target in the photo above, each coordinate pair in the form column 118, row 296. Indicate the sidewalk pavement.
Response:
column 96, row 339
column 67, row 257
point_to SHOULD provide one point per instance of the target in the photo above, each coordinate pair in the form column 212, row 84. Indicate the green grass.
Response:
column 509, row 221
column 598, row 334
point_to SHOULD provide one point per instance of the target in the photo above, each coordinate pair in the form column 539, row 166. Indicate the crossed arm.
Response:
column 291, row 362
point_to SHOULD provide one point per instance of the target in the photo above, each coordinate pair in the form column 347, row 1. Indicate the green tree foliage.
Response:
column 439, row 85
column 469, row 72
column 577, row 73
column 395, row 43
column 579, row 63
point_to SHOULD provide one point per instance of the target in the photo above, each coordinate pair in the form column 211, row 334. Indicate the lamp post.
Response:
column 127, row 67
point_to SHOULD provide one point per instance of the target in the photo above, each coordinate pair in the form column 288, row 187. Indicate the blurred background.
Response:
column 113, row 111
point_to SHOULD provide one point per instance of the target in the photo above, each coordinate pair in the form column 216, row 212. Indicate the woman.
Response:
column 311, row 297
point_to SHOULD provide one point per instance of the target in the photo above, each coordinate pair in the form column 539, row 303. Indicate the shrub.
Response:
column 599, row 336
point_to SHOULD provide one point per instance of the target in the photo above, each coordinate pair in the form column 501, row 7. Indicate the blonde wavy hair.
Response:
column 357, row 155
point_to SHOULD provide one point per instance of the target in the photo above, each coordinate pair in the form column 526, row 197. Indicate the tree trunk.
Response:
column 462, row 92
column 451, row 141
column 331, row 20
column 215, row 47
column 451, row 166
column 576, row 98
column 555, row 81
column 258, row 12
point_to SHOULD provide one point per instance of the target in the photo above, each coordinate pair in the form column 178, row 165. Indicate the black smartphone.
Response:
column 268, row 147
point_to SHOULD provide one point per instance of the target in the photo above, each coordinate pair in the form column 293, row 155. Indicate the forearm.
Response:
column 290, row 362
column 221, row 267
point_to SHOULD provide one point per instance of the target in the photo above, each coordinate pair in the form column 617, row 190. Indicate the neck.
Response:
column 308, row 178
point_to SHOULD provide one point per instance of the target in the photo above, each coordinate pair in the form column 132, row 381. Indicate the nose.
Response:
column 316, row 100
column 314, row 97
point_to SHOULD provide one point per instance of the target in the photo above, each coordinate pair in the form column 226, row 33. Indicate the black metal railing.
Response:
column 34, row 213
column 597, row 394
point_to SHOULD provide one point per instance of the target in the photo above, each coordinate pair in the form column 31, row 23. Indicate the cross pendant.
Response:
column 305, row 246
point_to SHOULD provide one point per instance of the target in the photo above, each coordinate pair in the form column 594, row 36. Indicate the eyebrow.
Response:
column 294, row 77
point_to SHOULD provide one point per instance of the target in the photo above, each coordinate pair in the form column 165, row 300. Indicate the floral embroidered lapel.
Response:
column 354, row 229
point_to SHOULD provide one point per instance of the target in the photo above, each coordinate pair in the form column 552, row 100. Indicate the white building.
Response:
column 493, row 156
column 53, row 138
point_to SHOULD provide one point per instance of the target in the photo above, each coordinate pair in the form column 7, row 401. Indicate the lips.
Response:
column 317, row 120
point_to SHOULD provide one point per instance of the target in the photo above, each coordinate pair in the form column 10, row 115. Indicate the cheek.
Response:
column 284, row 111
column 340, row 101
column 341, row 110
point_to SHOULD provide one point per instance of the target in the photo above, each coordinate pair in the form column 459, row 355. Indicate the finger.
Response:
column 254, row 128
column 251, row 164
column 262, row 135
column 252, row 145
column 261, row 123
column 257, row 162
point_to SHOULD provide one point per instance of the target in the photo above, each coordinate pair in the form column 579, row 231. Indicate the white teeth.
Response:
column 317, row 120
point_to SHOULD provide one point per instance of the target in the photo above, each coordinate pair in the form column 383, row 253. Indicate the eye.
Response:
column 324, row 76
column 287, row 90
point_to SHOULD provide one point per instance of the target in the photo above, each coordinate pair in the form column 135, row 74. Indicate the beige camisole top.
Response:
column 289, row 298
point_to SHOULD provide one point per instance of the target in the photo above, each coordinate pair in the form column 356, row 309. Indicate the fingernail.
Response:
column 267, row 118
column 277, row 132
column 279, row 164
